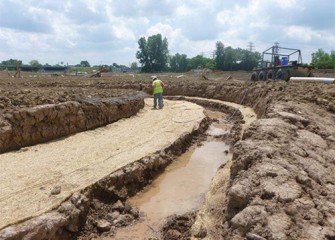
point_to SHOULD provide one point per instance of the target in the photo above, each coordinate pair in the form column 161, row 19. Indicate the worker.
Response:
column 157, row 86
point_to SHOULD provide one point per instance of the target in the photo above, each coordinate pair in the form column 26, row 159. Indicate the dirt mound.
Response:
column 29, row 126
column 282, row 174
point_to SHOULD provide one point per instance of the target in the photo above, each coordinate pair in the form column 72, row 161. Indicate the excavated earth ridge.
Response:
column 280, row 183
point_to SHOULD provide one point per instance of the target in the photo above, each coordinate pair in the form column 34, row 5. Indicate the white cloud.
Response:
column 164, row 29
column 92, row 5
column 123, row 33
column 108, row 30
column 304, row 34
column 174, row 36
column 287, row 5
column 67, row 6
column 183, row 11
column 307, row 35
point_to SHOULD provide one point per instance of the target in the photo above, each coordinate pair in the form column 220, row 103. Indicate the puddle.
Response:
column 181, row 188
column 215, row 114
column 218, row 129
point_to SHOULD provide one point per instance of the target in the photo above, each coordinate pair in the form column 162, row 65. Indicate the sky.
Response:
column 107, row 31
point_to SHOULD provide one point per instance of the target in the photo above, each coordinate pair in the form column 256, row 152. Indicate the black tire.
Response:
column 286, row 75
column 262, row 76
column 279, row 74
column 270, row 74
column 254, row 76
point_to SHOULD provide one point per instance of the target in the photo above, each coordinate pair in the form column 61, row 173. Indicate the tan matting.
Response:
column 27, row 176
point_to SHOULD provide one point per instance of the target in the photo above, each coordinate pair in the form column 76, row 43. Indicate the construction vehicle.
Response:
column 98, row 73
column 280, row 63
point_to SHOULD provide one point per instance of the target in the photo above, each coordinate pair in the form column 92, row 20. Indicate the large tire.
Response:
column 262, row 76
column 286, row 75
column 283, row 74
column 270, row 74
column 279, row 74
column 254, row 76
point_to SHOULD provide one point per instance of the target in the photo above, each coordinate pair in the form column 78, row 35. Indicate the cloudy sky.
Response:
column 107, row 31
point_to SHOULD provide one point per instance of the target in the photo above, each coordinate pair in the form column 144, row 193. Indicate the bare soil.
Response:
column 279, row 184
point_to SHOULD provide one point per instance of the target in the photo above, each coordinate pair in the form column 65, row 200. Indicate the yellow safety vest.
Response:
column 157, row 84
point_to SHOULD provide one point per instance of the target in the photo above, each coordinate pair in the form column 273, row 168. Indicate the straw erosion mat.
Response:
column 280, row 182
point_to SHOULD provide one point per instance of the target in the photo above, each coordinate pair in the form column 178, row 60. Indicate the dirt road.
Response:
column 38, row 178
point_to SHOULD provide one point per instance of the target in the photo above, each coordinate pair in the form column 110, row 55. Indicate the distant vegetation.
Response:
column 83, row 67
column 153, row 56
column 323, row 60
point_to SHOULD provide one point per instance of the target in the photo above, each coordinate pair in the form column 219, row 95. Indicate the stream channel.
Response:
column 181, row 188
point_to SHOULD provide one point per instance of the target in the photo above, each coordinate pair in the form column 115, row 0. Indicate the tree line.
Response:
column 153, row 55
column 84, row 65
column 323, row 60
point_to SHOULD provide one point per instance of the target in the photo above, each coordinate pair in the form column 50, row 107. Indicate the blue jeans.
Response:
column 158, row 97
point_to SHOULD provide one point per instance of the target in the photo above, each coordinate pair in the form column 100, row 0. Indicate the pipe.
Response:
column 317, row 79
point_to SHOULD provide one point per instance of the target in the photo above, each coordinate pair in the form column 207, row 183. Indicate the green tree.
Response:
column 230, row 58
column 249, row 60
column 153, row 53
column 332, row 55
column 10, row 62
column 323, row 60
column 234, row 59
column 200, row 61
column 178, row 63
column 35, row 63
column 219, row 56
column 133, row 65
column 143, row 54
column 84, row 63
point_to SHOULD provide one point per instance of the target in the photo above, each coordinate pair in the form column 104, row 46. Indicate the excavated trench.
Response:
column 181, row 188
column 278, row 185
column 111, row 193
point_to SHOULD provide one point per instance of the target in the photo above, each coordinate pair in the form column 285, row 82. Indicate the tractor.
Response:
column 279, row 63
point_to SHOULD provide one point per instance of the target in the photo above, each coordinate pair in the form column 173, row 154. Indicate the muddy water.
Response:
column 219, row 127
column 182, row 187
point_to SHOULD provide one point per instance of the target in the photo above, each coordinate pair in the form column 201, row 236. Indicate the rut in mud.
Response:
column 178, row 190
column 279, row 184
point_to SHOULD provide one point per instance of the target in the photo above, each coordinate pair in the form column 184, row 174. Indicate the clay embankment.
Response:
column 29, row 126
column 281, row 184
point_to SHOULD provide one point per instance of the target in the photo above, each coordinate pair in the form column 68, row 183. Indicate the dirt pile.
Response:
column 282, row 186
column 28, row 126
column 39, row 109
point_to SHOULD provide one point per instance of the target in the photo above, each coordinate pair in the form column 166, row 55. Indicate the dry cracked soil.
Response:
column 279, row 184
